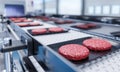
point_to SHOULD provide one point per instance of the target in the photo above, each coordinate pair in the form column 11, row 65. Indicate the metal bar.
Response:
column 17, row 45
column 18, row 66
column 22, row 55
column 20, row 52
column 36, row 64
column 8, row 62
column 83, row 7
column 14, row 34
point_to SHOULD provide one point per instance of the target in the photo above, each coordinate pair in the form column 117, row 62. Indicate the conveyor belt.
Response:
column 109, row 63
column 71, row 35
column 45, row 25
column 106, row 29
column 54, row 38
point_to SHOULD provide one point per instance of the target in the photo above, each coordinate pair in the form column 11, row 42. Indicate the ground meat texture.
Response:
column 34, row 24
column 56, row 29
column 22, row 19
column 12, row 19
column 39, row 31
column 97, row 44
column 23, row 25
column 74, row 52
column 82, row 26
column 16, row 21
column 19, row 18
column 26, row 20
column 91, row 25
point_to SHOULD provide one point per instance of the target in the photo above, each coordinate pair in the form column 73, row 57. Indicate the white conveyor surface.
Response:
column 109, row 63
column 54, row 38
column 61, row 37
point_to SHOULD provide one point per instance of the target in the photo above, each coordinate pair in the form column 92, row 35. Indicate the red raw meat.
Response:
column 26, row 20
column 34, row 24
column 56, row 29
column 39, row 31
column 91, row 25
column 17, row 21
column 97, row 44
column 23, row 25
column 82, row 26
column 74, row 52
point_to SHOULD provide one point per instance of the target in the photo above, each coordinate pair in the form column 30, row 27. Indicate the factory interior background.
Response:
column 59, row 35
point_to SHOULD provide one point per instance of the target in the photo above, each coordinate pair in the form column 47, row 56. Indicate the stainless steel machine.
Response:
column 15, row 45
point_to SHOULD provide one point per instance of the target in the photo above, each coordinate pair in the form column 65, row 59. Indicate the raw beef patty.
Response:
column 97, row 44
column 39, row 31
column 74, row 52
